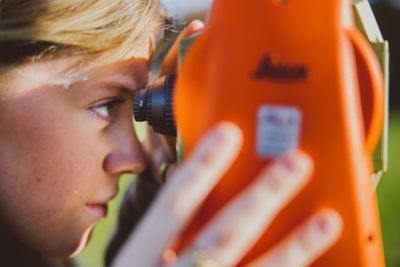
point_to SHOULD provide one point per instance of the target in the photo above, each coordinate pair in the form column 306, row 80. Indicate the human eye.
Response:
column 103, row 109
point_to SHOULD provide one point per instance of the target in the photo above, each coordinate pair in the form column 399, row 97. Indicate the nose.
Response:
column 126, row 155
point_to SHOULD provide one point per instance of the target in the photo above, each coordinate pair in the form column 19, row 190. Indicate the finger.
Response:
column 171, row 59
column 184, row 193
column 159, row 148
column 306, row 243
column 238, row 226
column 170, row 172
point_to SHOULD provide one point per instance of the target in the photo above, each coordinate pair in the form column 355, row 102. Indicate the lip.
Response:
column 99, row 207
column 100, row 210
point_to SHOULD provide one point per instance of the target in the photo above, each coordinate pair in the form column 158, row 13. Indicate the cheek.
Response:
column 48, row 166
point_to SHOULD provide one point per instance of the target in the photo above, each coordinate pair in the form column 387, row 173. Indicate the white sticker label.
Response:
column 278, row 130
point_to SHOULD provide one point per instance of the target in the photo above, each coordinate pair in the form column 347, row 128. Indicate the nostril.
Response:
column 118, row 163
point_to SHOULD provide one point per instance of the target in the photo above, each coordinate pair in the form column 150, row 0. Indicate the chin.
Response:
column 82, row 242
column 68, row 248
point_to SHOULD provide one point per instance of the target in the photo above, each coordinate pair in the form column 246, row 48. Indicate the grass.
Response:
column 388, row 198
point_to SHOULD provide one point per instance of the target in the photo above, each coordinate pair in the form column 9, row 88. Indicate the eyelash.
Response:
column 108, row 104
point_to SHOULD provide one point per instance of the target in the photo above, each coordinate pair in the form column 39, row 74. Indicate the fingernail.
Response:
column 328, row 222
column 289, row 163
column 323, row 225
column 219, row 135
column 296, row 162
column 197, row 24
column 292, row 161
column 225, row 131
column 225, row 134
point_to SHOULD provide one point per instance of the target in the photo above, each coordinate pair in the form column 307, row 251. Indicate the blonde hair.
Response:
column 38, row 28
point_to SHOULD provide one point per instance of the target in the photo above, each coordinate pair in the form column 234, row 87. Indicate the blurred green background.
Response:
column 388, row 198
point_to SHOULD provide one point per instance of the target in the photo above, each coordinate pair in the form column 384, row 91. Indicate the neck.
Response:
column 14, row 253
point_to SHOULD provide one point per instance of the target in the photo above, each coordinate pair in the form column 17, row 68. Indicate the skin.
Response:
column 64, row 149
column 237, row 227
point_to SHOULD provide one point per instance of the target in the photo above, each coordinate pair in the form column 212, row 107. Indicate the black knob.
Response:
column 139, row 105
column 155, row 105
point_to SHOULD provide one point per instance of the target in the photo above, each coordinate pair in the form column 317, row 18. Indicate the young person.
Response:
column 68, row 70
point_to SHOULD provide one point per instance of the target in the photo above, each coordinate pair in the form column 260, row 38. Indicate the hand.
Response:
column 240, row 223
column 170, row 64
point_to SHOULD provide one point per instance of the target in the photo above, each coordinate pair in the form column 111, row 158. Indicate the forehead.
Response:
column 67, row 70
column 132, row 73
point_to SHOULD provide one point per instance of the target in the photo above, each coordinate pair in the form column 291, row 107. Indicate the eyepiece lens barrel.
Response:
column 155, row 105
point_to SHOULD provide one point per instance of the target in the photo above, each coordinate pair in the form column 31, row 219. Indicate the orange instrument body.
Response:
column 287, row 73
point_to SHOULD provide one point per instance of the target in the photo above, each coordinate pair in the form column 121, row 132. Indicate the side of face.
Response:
column 63, row 150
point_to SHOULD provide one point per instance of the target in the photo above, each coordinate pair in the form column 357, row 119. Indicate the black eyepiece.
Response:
column 155, row 105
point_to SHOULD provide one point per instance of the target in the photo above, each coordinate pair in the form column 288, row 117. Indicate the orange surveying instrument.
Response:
column 292, row 74
column 286, row 73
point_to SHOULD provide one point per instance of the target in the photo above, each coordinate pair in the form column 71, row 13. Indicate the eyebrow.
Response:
column 122, row 89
